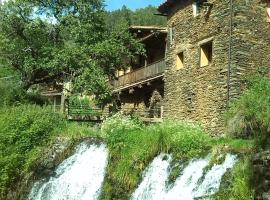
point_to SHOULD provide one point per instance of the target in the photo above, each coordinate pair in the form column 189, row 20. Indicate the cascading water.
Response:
column 212, row 180
column 154, row 182
column 192, row 184
column 79, row 177
column 186, row 183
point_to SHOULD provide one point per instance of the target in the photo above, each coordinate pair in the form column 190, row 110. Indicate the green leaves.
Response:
column 250, row 114
column 22, row 129
column 48, row 41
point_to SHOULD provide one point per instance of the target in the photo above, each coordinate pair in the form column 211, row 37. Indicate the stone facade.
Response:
column 238, row 34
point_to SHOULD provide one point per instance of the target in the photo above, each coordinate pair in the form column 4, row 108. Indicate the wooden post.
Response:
column 54, row 103
column 62, row 108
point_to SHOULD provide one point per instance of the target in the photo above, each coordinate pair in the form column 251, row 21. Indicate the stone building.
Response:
column 140, row 88
column 211, row 46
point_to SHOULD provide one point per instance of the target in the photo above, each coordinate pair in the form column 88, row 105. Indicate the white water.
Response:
column 190, row 185
column 154, row 182
column 79, row 177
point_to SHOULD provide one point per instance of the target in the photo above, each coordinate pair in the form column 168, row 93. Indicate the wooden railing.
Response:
column 141, row 74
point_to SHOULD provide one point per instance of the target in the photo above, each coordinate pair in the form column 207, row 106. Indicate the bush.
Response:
column 11, row 93
column 250, row 114
column 182, row 138
column 22, row 129
column 119, row 124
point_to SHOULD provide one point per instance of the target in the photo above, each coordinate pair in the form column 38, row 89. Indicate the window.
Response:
column 128, row 70
column 171, row 34
column 120, row 73
column 206, row 54
column 197, row 7
column 180, row 60
column 268, row 11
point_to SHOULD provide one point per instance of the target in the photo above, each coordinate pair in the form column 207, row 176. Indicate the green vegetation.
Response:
column 133, row 146
column 140, row 17
column 64, row 39
column 25, row 131
column 22, row 128
column 249, row 116
column 239, row 183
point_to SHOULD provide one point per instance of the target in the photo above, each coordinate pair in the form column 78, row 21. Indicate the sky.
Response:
column 132, row 4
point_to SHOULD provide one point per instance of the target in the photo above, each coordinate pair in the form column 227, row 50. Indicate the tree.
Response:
column 48, row 41
column 141, row 17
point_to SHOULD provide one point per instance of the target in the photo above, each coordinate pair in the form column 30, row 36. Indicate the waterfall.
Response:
column 186, row 183
column 194, row 182
column 154, row 182
column 79, row 177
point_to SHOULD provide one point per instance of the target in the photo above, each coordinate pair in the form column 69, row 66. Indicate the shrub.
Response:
column 11, row 93
column 22, row 129
column 182, row 138
column 118, row 124
column 250, row 114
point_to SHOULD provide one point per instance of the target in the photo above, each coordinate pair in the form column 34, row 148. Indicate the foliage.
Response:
column 140, row 17
column 132, row 148
column 182, row 138
column 239, row 187
column 118, row 124
column 10, row 93
column 22, row 128
column 6, row 72
column 80, row 101
column 250, row 114
column 25, row 132
column 47, row 41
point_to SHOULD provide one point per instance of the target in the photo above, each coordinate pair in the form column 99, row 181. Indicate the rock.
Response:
column 261, row 168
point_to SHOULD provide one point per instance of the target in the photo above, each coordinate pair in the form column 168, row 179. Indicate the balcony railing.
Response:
column 142, row 74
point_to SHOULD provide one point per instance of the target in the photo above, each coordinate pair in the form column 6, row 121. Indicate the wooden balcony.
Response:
column 139, row 76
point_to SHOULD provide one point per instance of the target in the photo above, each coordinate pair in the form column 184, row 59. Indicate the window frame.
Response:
column 268, row 11
column 182, row 61
column 203, row 46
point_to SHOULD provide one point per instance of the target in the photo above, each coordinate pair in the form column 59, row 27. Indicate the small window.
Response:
column 121, row 73
column 180, row 60
column 171, row 34
column 206, row 54
column 128, row 70
column 197, row 7
column 268, row 11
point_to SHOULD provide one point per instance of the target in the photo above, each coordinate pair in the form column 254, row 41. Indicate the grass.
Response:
column 239, row 186
column 25, row 132
column 133, row 146
column 249, row 116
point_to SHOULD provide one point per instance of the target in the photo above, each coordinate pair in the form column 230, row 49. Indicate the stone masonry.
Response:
column 240, row 36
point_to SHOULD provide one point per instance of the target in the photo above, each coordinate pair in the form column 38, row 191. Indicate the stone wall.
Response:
column 139, row 100
column 250, row 42
column 201, row 93
column 193, row 92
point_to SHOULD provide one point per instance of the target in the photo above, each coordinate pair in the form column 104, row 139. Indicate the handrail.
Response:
column 140, row 74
